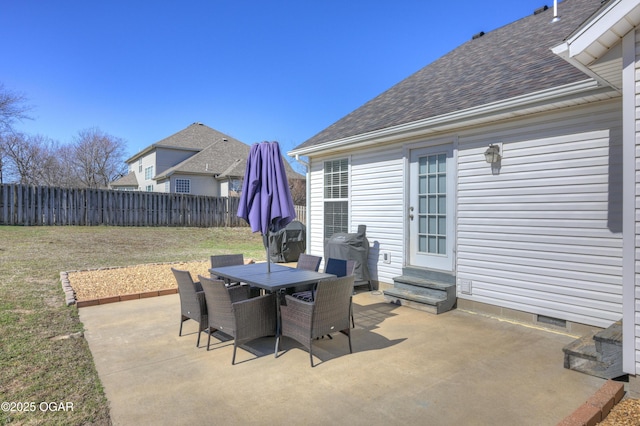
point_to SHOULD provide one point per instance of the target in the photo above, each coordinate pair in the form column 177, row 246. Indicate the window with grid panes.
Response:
column 148, row 173
column 336, row 194
column 183, row 186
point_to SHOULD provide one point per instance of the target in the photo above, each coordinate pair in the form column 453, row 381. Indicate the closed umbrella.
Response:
column 265, row 202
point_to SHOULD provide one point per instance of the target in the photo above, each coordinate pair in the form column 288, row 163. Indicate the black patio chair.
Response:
column 192, row 301
column 219, row 260
column 327, row 313
column 307, row 262
column 233, row 312
column 337, row 267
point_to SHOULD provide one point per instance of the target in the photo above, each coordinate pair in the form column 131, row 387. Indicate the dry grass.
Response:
column 38, row 363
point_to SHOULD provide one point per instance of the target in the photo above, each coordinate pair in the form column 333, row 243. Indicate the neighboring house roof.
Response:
column 213, row 160
column 215, row 154
column 127, row 180
column 506, row 63
column 196, row 137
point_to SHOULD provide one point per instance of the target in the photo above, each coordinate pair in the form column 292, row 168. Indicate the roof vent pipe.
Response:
column 556, row 18
column 480, row 34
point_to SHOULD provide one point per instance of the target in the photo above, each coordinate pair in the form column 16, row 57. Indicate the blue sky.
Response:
column 255, row 70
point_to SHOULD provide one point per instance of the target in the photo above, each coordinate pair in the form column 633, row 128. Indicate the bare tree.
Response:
column 298, row 189
column 12, row 109
column 98, row 158
column 29, row 160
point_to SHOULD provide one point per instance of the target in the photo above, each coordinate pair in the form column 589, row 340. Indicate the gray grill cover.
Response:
column 351, row 247
column 287, row 244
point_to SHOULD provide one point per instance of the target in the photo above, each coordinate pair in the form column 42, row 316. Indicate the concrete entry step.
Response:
column 422, row 289
column 597, row 354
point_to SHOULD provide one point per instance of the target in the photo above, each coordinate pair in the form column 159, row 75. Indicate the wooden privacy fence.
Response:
column 41, row 205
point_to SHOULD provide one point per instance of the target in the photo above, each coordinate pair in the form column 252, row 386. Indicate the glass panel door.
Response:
column 430, row 222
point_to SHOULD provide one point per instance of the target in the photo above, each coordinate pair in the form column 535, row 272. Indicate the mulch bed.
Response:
column 109, row 283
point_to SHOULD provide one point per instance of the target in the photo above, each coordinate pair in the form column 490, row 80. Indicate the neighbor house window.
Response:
column 140, row 165
column 336, row 194
column 149, row 188
column 183, row 186
column 148, row 172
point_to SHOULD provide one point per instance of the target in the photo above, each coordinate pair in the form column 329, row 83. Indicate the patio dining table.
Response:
column 280, row 278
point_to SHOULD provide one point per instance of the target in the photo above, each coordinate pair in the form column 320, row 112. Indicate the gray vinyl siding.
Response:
column 375, row 200
column 377, row 179
column 544, row 234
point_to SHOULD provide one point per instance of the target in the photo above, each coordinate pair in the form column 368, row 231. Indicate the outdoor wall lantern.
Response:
column 492, row 154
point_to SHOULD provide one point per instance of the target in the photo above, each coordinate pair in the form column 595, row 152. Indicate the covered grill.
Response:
column 351, row 246
column 287, row 244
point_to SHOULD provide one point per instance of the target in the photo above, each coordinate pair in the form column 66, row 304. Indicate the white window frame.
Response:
column 148, row 173
column 335, row 189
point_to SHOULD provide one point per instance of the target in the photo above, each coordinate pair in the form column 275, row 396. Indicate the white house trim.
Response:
column 628, row 202
column 604, row 31
column 615, row 24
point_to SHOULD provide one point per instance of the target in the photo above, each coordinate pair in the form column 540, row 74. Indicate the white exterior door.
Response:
column 431, row 207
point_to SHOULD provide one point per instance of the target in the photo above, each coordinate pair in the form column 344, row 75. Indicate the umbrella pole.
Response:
column 266, row 244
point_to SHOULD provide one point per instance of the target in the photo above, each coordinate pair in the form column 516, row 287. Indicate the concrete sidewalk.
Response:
column 408, row 367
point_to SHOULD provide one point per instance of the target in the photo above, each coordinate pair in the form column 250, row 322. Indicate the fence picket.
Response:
column 47, row 206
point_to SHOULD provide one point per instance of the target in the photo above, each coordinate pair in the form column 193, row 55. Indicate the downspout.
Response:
column 628, row 203
column 307, row 214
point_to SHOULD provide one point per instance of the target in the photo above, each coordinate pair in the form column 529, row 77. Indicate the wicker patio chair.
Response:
column 337, row 267
column 219, row 260
column 234, row 313
column 307, row 262
column 328, row 313
column 192, row 301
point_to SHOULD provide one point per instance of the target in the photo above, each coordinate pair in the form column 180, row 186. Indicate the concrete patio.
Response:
column 408, row 367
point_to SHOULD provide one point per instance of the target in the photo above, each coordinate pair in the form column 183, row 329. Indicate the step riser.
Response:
column 411, row 304
column 436, row 276
column 598, row 354
column 593, row 368
column 421, row 290
column 407, row 281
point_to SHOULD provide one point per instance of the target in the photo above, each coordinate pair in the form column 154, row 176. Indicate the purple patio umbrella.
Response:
column 265, row 202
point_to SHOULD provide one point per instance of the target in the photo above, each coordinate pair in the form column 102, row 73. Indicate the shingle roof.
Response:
column 214, row 159
column 127, row 180
column 510, row 61
column 216, row 154
column 196, row 136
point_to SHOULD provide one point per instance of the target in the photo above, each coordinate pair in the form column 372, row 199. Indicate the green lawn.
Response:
column 37, row 363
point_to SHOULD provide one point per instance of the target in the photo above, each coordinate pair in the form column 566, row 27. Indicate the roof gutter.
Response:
column 429, row 125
